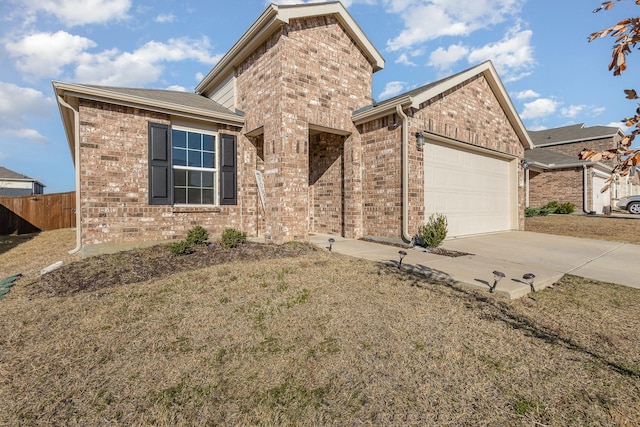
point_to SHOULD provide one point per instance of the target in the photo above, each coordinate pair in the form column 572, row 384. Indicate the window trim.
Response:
column 215, row 170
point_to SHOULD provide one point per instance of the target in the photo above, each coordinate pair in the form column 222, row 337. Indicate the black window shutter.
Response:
column 159, row 164
column 228, row 167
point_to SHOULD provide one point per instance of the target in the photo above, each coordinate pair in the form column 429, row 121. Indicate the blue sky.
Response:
column 553, row 75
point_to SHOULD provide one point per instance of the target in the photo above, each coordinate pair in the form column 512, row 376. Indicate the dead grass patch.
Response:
column 612, row 228
column 313, row 338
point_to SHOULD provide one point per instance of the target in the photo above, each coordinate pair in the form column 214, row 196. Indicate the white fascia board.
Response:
column 273, row 18
column 105, row 95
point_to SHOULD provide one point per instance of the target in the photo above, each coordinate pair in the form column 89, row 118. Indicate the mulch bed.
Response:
column 139, row 265
column 436, row 251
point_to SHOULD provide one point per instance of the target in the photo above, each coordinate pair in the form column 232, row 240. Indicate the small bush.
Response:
column 552, row 206
column 232, row 238
column 434, row 231
column 543, row 211
column 197, row 236
column 565, row 208
column 181, row 248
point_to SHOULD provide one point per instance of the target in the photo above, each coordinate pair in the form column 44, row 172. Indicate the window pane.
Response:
column 195, row 179
column 179, row 195
column 207, row 142
column 207, row 160
column 195, row 158
column 178, row 138
column 179, row 178
column 207, row 180
column 195, row 141
column 194, row 196
column 207, row 197
column 179, row 157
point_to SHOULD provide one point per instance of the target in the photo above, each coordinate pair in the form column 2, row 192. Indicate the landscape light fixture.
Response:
column 529, row 278
column 402, row 255
column 419, row 140
column 497, row 276
column 331, row 242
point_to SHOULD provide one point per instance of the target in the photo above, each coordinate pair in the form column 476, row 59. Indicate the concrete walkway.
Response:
column 514, row 253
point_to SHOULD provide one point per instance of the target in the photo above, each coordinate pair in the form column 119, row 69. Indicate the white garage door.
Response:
column 600, row 200
column 474, row 190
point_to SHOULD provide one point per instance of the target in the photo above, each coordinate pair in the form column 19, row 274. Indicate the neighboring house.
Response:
column 556, row 173
column 16, row 184
column 282, row 139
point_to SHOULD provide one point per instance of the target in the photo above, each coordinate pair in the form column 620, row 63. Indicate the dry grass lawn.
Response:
column 613, row 228
column 312, row 338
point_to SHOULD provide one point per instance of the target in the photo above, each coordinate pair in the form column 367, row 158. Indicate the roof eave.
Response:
column 105, row 95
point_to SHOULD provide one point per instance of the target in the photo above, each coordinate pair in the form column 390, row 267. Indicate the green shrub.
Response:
column 565, row 208
column 543, row 211
column 434, row 231
column 197, row 236
column 180, row 248
column 552, row 206
column 232, row 238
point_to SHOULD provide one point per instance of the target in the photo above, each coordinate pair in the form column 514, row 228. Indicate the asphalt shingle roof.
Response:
column 11, row 175
column 572, row 133
column 186, row 99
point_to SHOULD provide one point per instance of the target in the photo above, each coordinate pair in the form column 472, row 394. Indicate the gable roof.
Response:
column 416, row 97
column 572, row 133
column 273, row 18
column 9, row 175
column 549, row 159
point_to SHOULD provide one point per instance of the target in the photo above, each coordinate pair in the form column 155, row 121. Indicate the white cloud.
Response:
column 16, row 102
column 165, row 17
column 177, row 88
column 142, row 66
column 199, row 76
column 45, row 54
column 444, row 59
column 510, row 55
column 81, row 12
column 572, row 111
column 392, row 89
column 404, row 59
column 541, row 107
column 29, row 134
column 526, row 94
column 426, row 20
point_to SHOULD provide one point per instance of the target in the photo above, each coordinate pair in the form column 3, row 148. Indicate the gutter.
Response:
column 76, row 142
column 405, row 173
column 584, row 189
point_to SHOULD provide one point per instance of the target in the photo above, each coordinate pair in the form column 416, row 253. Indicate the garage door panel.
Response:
column 472, row 189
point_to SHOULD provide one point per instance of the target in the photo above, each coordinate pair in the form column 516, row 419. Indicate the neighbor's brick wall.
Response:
column 114, row 185
column 574, row 148
column 563, row 185
column 310, row 72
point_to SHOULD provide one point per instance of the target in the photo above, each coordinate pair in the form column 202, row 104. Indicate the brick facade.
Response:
column 298, row 91
column 114, row 183
column 574, row 148
column 309, row 73
column 562, row 185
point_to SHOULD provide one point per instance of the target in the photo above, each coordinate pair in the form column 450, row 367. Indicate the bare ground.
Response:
column 305, row 337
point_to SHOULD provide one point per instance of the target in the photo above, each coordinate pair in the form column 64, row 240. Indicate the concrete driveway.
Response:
column 515, row 253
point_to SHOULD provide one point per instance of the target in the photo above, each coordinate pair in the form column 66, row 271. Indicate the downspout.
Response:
column 405, row 174
column 76, row 143
column 585, row 180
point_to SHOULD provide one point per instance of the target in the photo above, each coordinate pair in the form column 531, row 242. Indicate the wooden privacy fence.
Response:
column 41, row 212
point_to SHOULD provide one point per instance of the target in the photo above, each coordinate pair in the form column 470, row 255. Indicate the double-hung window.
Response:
column 194, row 164
column 191, row 167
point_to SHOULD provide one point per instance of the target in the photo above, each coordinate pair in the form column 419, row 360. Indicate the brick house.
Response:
column 282, row 139
column 555, row 173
